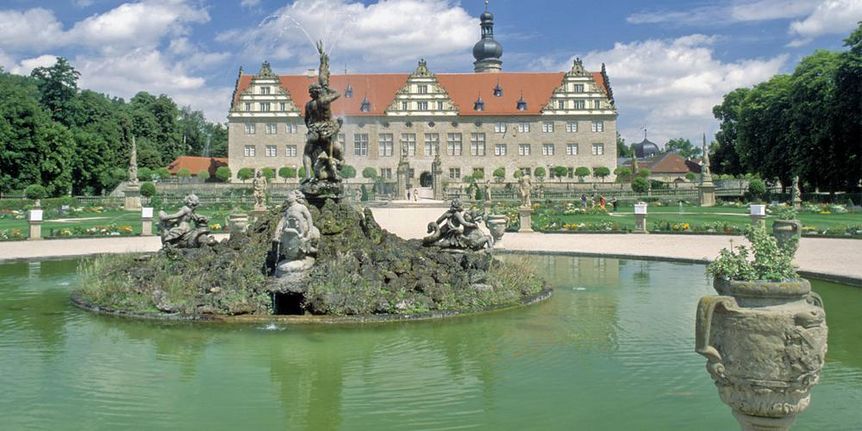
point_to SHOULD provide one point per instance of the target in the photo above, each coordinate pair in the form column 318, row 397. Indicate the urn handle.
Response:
column 702, row 345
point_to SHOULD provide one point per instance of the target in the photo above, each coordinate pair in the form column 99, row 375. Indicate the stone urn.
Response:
column 765, row 343
column 785, row 231
column 497, row 226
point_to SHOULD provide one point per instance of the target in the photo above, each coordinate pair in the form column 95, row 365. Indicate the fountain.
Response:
column 314, row 255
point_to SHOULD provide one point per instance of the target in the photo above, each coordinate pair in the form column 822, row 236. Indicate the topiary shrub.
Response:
column 640, row 185
column 148, row 190
column 36, row 193
column 223, row 174
column 245, row 174
column 203, row 176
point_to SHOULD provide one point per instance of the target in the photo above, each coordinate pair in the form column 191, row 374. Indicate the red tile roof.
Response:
column 668, row 163
column 463, row 88
column 196, row 164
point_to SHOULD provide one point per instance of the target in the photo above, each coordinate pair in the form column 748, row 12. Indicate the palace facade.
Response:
column 479, row 121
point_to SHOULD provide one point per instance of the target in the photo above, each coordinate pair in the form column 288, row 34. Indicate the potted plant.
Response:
column 764, row 336
column 787, row 228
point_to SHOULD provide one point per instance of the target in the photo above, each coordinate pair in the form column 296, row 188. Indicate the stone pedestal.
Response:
column 640, row 218
column 797, row 202
column 706, row 192
column 255, row 214
column 133, row 197
column 526, row 217
column 437, row 174
column 237, row 222
column 401, row 181
column 35, row 219
column 758, row 214
column 146, row 221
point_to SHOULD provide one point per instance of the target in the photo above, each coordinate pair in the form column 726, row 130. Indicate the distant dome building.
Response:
column 645, row 149
column 487, row 51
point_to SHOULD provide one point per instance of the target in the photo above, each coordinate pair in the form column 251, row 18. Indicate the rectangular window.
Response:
column 499, row 127
column 249, row 128
column 386, row 144
column 571, row 149
column 423, row 105
column 455, row 173
column 579, row 104
column 579, row 88
column 290, row 151
column 524, row 171
column 548, row 127
column 597, row 104
column 264, row 106
column 264, row 90
column 408, row 143
column 440, row 105
column 247, row 106
column 453, row 144
column 572, row 127
column 598, row 149
column 423, row 89
column 561, row 104
column 477, row 144
column 249, row 151
column 282, row 106
column 360, row 144
column 499, row 149
column 271, row 151
column 432, row 143
column 405, row 105
column 386, row 173
column 291, row 128
column 547, row 149
column 271, row 128
column 523, row 127
column 523, row 149
column 598, row 126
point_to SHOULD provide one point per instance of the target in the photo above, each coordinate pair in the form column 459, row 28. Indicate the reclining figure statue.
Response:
column 185, row 228
column 458, row 229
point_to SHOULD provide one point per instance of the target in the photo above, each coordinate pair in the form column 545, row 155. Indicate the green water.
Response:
column 613, row 349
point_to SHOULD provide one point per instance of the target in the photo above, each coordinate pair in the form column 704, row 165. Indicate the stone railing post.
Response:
column 147, row 221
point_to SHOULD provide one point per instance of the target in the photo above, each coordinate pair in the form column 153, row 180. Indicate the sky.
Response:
column 669, row 61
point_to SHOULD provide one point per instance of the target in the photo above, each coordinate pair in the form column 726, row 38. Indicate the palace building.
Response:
column 479, row 121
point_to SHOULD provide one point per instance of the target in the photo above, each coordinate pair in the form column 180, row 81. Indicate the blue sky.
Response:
column 669, row 61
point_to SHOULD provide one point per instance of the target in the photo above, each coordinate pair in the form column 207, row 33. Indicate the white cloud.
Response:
column 24, row 67
column 670, row 86
column 249, row 3
column 729, row 12
column 830, row 17
column 388, row 35
column 31, row 29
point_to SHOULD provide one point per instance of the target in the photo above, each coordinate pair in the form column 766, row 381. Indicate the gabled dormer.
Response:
column 422, row 95
column 580, row 92
column 262, row 95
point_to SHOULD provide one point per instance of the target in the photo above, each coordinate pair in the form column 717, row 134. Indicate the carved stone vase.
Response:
column 765, row 343
column 785, row 231
column 497, row 226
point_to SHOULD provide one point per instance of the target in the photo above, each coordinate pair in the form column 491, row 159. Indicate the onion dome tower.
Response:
column 487, row 51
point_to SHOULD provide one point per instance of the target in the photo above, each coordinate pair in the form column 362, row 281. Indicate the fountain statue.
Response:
column 296, row 237
column 458, row 230
column 185, row 228
column 259, row 187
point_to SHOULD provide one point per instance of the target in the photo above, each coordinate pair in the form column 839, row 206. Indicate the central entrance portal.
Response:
column 426, row 180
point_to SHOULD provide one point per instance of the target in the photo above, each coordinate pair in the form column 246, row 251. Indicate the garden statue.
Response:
column 296, row 237
column 259, row 187
column 525, row 187
column 185, row 228
column 133, row 163
column 323, row 154
column 795, row 194
column 487, row 191
column 457, row 229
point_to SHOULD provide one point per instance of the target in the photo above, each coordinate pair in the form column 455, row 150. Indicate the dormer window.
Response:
column 522, row 104
column 365, row 106
column 498, row 91
column 479, row 105
column 264, row 90
column 348, row 92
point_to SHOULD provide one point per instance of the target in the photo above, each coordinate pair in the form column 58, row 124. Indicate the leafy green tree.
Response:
column 268, row 173
column 601, row 172
column 58, row 90
column 148, row 190
column 286, row 172
column 724, row 158
column 644, row 173
column 163, row 173
column 499, row 174
column 582, row 172
column 689, row 176
column 203, row 176
column 683, row 147
column 301, row 172
column 623, row 174
column 848, row 111
column 245, row 174
column 348, row 171
column 223, row 174
column 640, row 185
column 560, row 172
column 623, row 150
column 35, row 192
column 184, row 174
column 145, row 174
column 369, row 173
column 192, row 125
column 540, row 173
column 757, row 188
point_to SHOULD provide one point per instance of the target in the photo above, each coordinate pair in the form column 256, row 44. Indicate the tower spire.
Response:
column 487, row 51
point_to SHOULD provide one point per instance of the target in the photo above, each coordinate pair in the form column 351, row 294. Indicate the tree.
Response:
column 301, row 172
column 683, row 147
column 203, row 176
column 163, row 173
column 540, row 173
column 623, row 150
column 689, row 176
column 499, row 174
column 601, row 172
column 223, row 174
column 848, row 110
column 757, row 188
column 640, row 185
column 724, row 159
column 623, row 173
column 369, row 173
column 348, row 171
column 287, row 172
column 148, row 190
column 245, row 174
column 184, row 174
column 560, row 172
column 58, row 89
column 35, row 192
column 581, row 172
column 364, row 193
column 145, row 174
column 268, row 173
column 644, row 173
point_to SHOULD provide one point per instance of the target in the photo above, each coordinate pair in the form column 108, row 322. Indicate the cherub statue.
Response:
column 185, row 228
column 296, row 237
column 456, row 229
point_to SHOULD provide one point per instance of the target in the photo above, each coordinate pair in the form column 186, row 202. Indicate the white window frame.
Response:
column 548, row 127
column 500, row 149
column 571, row 149
column 422, row 89
column 598, row 149
column 523, row 127
column 265, row 90
column 291, row 128
column 598, row 126
column 250, row 151
column 548, row 149
column 454, row 173
column 386, row 144
column 572, row 127
column 423, row 105
column 454, row 144
column 499, row 127
column 270, row 129
column 524, row 149
column 271, row 151
column 265, row 106
column 408, row 140
column 477, row 144
column 360, row 144
column 432, row 143
column 580, row 104
column 290, row 151
column 250, row 128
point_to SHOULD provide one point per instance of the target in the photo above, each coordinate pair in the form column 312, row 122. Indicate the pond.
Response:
column 612, row 349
